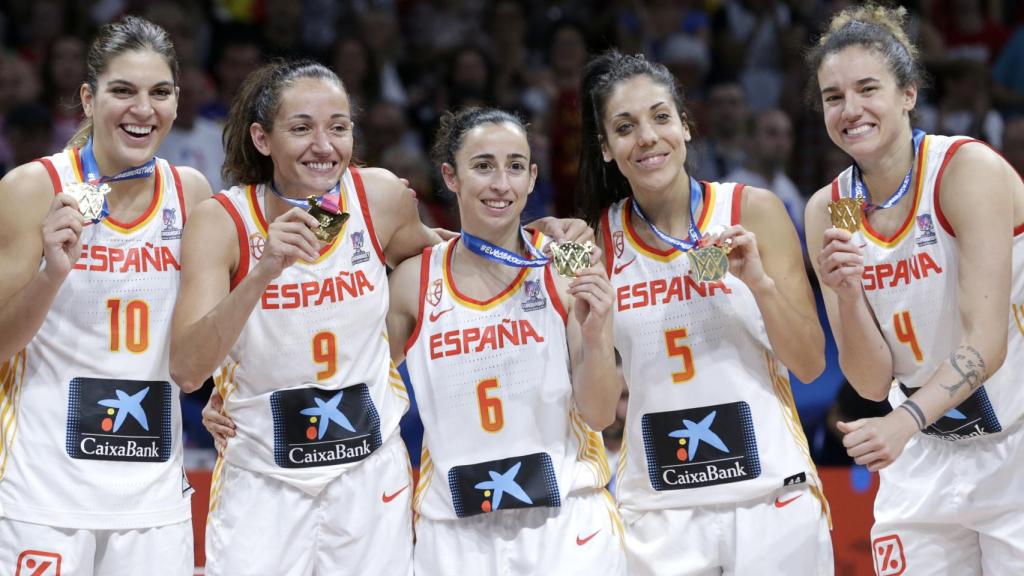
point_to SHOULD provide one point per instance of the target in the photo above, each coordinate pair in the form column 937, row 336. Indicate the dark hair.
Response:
column 257, row 101
column 129, row 34
column 873, row 27
column 454, row 126
column 601, row 183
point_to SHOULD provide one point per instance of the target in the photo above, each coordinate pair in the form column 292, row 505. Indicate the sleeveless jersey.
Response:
column 309, row 382
column 910, row 281
column 90, row 426
column 492, row 383
column 711, row 418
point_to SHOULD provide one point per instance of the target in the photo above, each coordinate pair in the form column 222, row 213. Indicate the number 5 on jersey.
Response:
column 676, row 349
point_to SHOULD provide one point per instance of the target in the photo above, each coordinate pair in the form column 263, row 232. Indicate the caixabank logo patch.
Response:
column 125, row 420
column 521, row 482
column 314, row 427
column 699, row 447
column 975, row 416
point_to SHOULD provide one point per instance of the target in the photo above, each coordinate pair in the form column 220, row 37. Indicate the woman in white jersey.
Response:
column 924, row 286
column 715, row 475
column 514, row 370
column 91, row 477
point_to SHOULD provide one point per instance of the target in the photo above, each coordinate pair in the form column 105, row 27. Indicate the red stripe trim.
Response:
column 737, row 203
column 254, row 199
column 627, row 221
column 835, row 189
column 365, row 207
column 939, row 215
column 54, row 177
column 243, row 245
column 705, row 209
column 918, row 178
column 609, row 247
column 153, row 204
column 556, row 300
column 180, row 190
column 451, row 276
column 424, row 281
column 1019, row 230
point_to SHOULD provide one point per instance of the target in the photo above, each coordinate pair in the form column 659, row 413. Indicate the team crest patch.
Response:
column 617, row 243
column 534, row 296
column 520, row 482
column 699, row 447
column 315, row 427
column 889, row 557
column 973, row 417
column 358, row 254
column 124, row 420
column 170, row 230
column 925, row 230
column 256, row 245
column 434, row 293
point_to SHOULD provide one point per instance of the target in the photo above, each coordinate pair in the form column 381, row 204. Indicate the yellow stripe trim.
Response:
column 257, row 214
column 12, row 376
column 426, row 474
column 702, row 225
column 613, row 513
column 591, row 449
column 509, row 292
column 918, row 193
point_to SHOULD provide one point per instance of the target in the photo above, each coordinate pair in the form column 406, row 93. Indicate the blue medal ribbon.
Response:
column 693, row 237
column 483, row 248
column 336, row 192
column 91, row 172
column 860, row 191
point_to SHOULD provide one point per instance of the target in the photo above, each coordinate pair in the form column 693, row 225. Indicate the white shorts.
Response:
column 360, row 523
column 39, row 550
column 583, row 536
column 952, row 507
column 784, row 533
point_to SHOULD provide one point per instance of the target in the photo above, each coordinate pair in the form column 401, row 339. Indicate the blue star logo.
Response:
column 955, row 414
column 699, row 432
column 328, row 412
column 503, row 484
column 126, row 405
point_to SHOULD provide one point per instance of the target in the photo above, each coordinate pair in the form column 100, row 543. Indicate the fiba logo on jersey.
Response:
column 534, row 296
column 170, row 231
column 519, row 482
column 315, row 427
column 257, row 242
column 358, row 254
column 126, row 420
column 700, row 446
column 925, row 230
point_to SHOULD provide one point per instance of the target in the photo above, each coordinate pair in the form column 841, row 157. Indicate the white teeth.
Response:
column 858, row 130
column 498, row 203
column 320, row 165
column 137, row 130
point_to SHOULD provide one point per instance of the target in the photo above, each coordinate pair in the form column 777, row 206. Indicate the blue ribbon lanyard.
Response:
column 693, row 236
column 483, row 248
column 336, row 192
column 860, row 191
column 91, row 172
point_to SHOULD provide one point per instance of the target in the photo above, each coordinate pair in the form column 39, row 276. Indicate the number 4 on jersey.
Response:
column 904, row 329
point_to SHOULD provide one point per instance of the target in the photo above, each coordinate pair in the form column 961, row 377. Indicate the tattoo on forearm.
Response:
column 969, row 363
column 915, row 412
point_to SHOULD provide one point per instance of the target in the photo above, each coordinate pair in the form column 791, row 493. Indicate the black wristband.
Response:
column 915, row 411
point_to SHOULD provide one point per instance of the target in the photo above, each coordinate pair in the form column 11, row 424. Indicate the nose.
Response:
column 321, row 141
column 852, row 108
column 501, row 181
column 142, row 106
column 646, row 134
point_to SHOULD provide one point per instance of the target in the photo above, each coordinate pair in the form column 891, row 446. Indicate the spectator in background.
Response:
column 1013, row 144
column 62, row 73
column 29, row 129
column 380, row 33
column 351, row 59
column 435, row 206
column 239, row 53
column 968, row 31
column 723, row 150
column 194, row 140
column 748, row 41
column 689, row 60
column 1008, row 75
column 768, row 153
column 568, row 54
column 385, row 127
column 964, row 106
column 18, row 85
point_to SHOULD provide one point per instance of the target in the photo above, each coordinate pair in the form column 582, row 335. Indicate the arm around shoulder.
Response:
column 396, row 219
column 403, row 309
column 194, row 186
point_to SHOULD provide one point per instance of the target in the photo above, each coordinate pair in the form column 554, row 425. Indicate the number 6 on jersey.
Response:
column 492, row 418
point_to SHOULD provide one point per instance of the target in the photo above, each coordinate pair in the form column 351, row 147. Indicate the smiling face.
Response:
column 310, row 142
column 644, row 134
column 866, row 111
column 492, row 176
column 132, row 110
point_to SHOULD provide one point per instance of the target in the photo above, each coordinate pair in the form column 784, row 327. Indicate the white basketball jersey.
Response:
column 309, row 382
column 90, row 426
column 910, row 281
column 500, row 426
column 711, row 418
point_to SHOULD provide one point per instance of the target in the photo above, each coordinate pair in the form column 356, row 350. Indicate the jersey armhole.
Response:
column 737, row 203
column 243, row 246
column 424, row 280
column 365, row 207
column 54, row 177
column 556, row 300
column 181, row 192
column 606, row 235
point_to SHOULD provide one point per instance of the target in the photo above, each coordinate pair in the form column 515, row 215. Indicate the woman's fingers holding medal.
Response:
column 841, row 263
column 62, row 233
column 290, row 237
column 741, row 247
column 594, row 297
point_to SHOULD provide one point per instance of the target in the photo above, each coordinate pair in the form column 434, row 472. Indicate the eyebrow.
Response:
column 489, row 156
column 653, row 107
column 122, row 81
column 304, row 116
column 859, row 83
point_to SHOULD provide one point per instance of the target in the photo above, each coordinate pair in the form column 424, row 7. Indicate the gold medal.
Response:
column 330, row 222
column 709, row 263
column 571, row 257
column 89, row 198
column 845, row 213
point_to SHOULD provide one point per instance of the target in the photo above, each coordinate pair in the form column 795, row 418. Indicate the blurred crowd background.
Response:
column 405, row 62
